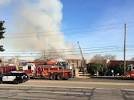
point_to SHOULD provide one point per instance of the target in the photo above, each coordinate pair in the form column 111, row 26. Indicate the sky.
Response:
column 98, row 25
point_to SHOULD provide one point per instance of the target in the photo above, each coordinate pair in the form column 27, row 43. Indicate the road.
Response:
column 79, row 89
column 84, row 83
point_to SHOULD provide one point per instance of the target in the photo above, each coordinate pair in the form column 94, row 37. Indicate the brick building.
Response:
column 117, row 63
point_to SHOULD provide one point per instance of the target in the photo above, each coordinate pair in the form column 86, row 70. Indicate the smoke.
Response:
column 37, row 26
column 4, row 2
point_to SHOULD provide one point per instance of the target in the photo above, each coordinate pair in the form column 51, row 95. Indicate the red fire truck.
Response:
column 51, row 69
column 130, row 71
column 7, row 69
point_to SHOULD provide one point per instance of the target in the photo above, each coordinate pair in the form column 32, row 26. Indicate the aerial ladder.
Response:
column 83, row 63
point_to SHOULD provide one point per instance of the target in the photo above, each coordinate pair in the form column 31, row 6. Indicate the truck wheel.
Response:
column 58, row 77
column 54, row 77
column 51, row 77
column 65, row 78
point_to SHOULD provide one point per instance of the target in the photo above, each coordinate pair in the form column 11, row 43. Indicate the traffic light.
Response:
column 2, row 31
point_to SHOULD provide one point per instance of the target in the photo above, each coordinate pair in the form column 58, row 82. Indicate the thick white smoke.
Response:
column 37, row 25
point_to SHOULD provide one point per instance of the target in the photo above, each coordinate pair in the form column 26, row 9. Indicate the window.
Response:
column 29, row 67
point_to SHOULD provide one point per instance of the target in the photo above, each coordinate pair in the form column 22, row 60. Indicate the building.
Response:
column 75, row 63
column 78, row 69
column 117, row 63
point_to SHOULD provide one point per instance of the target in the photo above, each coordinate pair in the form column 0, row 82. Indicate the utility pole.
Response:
column 125, row 33
column 44, row 56
column 83, row 60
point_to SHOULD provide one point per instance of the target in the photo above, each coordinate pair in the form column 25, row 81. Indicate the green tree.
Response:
column 99, row 64
column 95, row 69
column 2, row 31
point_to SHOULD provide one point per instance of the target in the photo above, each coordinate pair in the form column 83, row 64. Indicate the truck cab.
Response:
column 130, row 71
column 29, row 68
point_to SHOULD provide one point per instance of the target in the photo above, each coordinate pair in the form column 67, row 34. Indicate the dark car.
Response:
column 14, row 77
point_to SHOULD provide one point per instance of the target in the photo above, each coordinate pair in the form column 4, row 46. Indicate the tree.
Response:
column 109, row 57
column 2, row 33
column 99, row 63
column 95, row 69
column 97, row 59
column 132, row 58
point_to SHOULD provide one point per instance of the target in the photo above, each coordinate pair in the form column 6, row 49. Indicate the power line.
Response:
column 77, row 30
column 73, row 50
column 66, row 52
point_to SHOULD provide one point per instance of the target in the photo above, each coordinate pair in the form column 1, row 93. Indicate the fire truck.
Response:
column 130, row 71
column 51, row 69
column 7, row 69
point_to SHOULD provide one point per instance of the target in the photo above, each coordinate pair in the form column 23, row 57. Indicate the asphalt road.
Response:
column 44, row 93
column 84, row 83
column 79, row 89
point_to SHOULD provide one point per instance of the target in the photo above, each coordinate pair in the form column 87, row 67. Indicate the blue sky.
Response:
column 96, row 24
column 99, row 24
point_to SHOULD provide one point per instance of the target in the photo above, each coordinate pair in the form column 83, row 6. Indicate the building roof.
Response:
column 116, row 63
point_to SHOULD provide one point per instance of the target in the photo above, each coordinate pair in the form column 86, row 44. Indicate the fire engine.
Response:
column 51, row 69
column 130, row 71
column 6, row 69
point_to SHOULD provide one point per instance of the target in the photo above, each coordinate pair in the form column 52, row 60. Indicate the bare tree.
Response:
column 110, row 57
column 98, row 59
column 51, row 54
column 132, row 59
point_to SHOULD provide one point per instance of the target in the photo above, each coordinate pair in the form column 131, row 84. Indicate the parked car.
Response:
column 14, row 77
